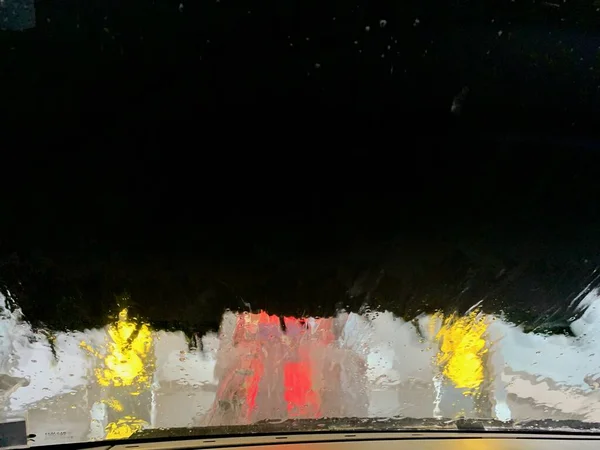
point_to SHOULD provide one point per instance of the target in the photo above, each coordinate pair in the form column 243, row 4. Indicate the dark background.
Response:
column 281, row 154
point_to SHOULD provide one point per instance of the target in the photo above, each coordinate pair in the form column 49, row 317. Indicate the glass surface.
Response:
column 113, row 381
column 298, row 214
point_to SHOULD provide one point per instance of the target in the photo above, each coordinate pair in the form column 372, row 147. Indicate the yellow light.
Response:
column 462, row 346
column 124, row 427
column 114, row 404
column 125, row 361
column 127, row 354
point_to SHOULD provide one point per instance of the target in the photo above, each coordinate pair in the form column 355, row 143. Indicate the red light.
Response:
column 255, row 332
column 301, row 400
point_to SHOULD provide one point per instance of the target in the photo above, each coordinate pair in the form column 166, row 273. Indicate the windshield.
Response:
column 420, row 330
column 231, row 216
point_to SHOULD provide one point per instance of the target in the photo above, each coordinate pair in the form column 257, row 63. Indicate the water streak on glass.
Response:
column 111, row 382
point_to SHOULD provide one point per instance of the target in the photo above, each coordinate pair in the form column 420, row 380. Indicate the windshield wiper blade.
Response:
column 393, row 424
column 301, row 426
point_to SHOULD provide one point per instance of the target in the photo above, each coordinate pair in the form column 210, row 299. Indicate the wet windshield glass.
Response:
column 351, row 319
column 219, row 213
